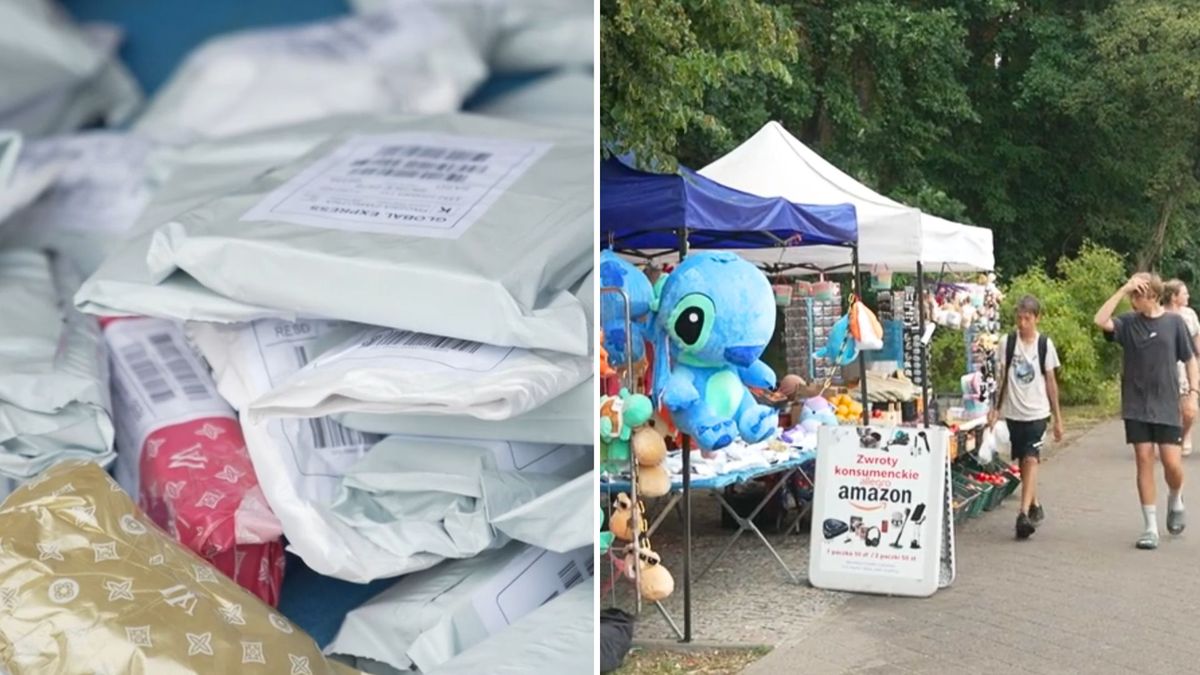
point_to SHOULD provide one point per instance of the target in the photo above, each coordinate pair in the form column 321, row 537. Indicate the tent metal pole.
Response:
column 922, row 353
column 686, row 449
column 856, row 288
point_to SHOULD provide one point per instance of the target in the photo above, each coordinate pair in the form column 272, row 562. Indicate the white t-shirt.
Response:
column 1193, row 327
column 1026, row 399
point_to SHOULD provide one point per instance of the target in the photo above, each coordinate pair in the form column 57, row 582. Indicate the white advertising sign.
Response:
column 879, row 512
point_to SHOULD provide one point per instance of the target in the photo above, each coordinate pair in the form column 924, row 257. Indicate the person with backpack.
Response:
column 1153, row 341
column 1027, row 399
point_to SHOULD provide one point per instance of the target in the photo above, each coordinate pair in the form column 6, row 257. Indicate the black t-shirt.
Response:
column 1149, row 376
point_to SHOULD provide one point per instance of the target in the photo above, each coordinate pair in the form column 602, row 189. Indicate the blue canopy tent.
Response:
column 647, row 211
column 642, row 211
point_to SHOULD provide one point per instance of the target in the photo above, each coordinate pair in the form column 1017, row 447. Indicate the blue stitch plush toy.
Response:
column 616, row 272
column 716, row 312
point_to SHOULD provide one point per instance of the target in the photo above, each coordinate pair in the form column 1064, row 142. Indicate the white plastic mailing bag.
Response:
column 565, row 419
column 251, row 358
column 102, row 189
column 408, row 502
column 382, row 370
column 521, row 36
column 54, row 399
column 557, row 637
column 389, row 62
column 58, row 76
column 480, row 229
column 428, row 618
column 40, row 53
column 187, row 177
column 543, row 35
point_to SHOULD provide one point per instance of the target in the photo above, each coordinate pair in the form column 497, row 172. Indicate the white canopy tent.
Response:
column 773, row 163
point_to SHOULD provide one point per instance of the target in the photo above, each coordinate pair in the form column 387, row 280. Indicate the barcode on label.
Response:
column 301, row 355
column 408, row 173
column 570, row 575
column 591, row 567
column 428, row 152
column 407, row 338
column 329, row 434
column 147, row 373
column 181, row 370
column 132, row 407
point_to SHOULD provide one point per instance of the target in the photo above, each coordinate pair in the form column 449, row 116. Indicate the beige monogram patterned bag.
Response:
column 89, row 585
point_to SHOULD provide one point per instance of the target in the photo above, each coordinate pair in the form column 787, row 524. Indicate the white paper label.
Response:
column 102, row 188
column 534, row 578
column 321, row 449
column 414, row 184
column 419, row 352
column 158, row 378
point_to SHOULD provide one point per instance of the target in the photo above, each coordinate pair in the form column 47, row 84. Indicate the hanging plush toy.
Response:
column 605, row 368
column 619, row 416
column 649, row 446
column 616, row 272
column 714, row 318
column 841, row 349
column 653, row 481
column 619, row 523
column 655, row 582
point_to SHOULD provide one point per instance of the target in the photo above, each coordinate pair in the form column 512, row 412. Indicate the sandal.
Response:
column 1176, row 521
column 1148, row 541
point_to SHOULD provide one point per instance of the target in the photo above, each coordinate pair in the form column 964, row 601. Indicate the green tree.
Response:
column 660, row 58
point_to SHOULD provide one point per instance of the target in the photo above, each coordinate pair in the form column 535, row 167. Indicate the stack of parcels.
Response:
column 300, row 303
column 425, row 280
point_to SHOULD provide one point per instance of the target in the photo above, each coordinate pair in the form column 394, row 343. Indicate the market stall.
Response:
column 650, row 215
column 893, row 237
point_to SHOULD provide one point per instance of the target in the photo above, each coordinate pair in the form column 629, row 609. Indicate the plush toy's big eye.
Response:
column 692, row 319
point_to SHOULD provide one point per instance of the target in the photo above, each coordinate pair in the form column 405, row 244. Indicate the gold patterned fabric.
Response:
column 89, row 585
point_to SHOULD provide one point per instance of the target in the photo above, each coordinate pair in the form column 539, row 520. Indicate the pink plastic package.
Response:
column 181, row 454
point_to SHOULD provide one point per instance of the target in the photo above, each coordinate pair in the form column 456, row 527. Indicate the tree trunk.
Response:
column 1152, row 252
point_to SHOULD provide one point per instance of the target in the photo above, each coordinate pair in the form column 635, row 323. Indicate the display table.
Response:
column 786, row 469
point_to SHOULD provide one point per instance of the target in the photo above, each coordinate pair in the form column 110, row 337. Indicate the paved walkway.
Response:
column 1076, row 598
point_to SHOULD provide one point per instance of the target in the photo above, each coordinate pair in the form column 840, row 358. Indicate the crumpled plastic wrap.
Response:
column 89, row 585
column 54, row 400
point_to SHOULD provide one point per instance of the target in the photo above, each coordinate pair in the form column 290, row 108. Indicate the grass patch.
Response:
column 697, row 662
column 1075, row 416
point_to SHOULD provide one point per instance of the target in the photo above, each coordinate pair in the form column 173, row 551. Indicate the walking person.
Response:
column 1027, row 399
column 1153, row 340
column 1175, row 299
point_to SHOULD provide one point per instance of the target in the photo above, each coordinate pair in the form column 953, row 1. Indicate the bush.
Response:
column 1090, row 364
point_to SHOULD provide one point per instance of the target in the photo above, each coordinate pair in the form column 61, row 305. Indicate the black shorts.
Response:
column 1026, row 438
column 1137, row 432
